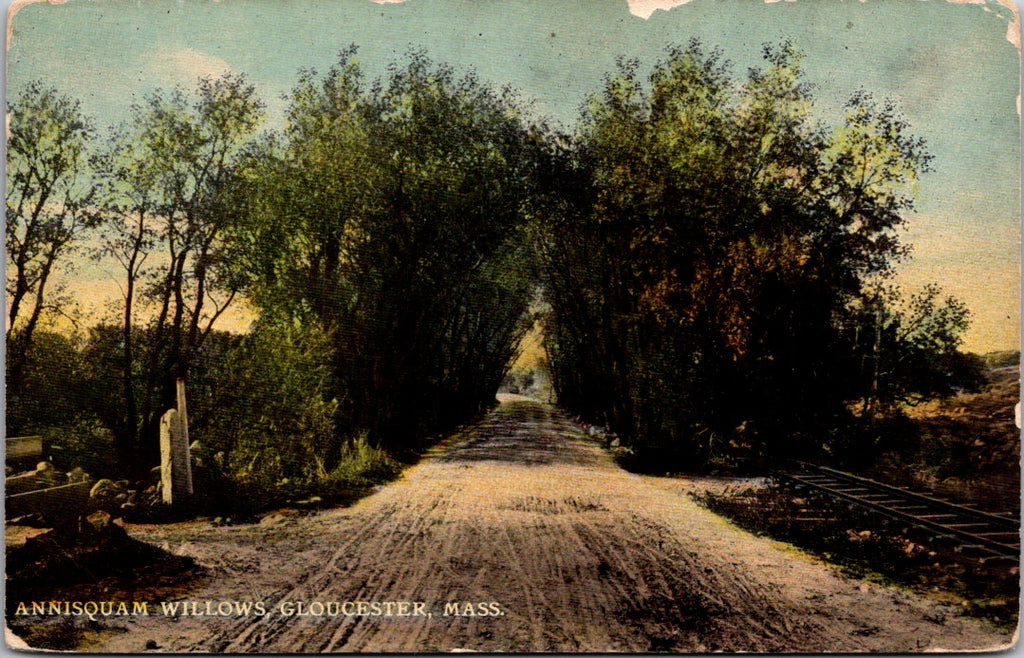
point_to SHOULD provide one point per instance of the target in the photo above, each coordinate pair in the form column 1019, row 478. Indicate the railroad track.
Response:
column 986, row 536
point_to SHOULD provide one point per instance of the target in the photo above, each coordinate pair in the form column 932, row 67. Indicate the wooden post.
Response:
column 183, row 422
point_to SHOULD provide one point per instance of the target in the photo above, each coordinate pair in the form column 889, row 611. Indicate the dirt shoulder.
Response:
column 553, row 547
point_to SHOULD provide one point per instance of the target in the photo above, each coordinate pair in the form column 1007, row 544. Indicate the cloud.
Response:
column 184, row 65
column 644, row 8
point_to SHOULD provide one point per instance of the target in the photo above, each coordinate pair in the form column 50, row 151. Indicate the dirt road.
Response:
column 564, row 550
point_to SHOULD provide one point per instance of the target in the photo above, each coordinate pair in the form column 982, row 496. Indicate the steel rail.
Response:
column 908, row 499
column 888, row 488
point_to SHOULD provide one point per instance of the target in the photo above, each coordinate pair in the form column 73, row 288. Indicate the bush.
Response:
column 362, row 462
column 85, row 444
column 272, row 415
column 360, row 469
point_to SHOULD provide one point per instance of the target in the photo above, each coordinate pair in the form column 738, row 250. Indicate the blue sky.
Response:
column 949, row 65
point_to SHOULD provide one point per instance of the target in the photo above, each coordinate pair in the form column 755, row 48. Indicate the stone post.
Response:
column 175, row 471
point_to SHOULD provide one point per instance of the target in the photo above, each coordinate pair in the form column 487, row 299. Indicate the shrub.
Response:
column 85, row 444
column 271, row 409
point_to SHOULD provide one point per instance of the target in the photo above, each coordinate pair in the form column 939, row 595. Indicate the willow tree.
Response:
column 49, row 205
column 170, row 179
column 382, row 215
column 722, row 253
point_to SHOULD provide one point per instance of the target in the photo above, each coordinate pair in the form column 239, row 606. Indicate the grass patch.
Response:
column 866, row 546
column 361, row 468
column 242, row 498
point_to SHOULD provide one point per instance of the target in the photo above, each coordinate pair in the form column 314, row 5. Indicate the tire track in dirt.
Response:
column 524, row 510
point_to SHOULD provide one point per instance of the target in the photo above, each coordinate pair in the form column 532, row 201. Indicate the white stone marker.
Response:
column 175, row 471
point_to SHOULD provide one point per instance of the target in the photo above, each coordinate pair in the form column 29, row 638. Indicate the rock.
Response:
column 77, row 474
column 156, row 473
column 106, row 493
column 47, row 475
column 103, row 487
column 195, row 451
column 99, row 520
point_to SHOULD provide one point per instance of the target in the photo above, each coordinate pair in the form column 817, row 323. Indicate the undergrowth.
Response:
column 360, row 469
column 241, row 498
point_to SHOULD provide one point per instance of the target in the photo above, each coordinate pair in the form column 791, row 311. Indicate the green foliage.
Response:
column 51, row 391
column 1002, row 359
column 360, row 468
column 58, row 400
column 85, row 444
column 716, row 267
column 704, row 285
column 267, row 413
column 389, row 215
column 361, row 463
column 168, row 194
column 909, row 347
column 49, row 202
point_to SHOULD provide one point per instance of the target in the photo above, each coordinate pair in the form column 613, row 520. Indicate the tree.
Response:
column 381, row 215
column 52, row 386
column 908, row 348
column 170, row 191
column 267, row 407
column 705, row 278
column 49, row 205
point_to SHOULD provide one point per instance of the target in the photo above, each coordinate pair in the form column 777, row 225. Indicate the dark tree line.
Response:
column 719, row 284
column 716, row 267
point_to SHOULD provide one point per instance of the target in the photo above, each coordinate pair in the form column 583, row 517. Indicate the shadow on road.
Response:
column 527, row 433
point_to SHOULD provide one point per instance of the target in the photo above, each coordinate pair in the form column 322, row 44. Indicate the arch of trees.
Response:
column 715, row 267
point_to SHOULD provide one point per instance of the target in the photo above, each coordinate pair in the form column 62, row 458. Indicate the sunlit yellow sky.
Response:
column 953, row 68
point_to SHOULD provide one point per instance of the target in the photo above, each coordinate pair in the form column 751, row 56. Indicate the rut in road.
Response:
column 524, row 510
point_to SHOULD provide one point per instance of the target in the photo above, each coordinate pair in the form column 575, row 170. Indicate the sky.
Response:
column 953, row 67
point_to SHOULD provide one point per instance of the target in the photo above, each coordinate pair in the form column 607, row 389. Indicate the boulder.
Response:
column 99, row 520
column 107, row 493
